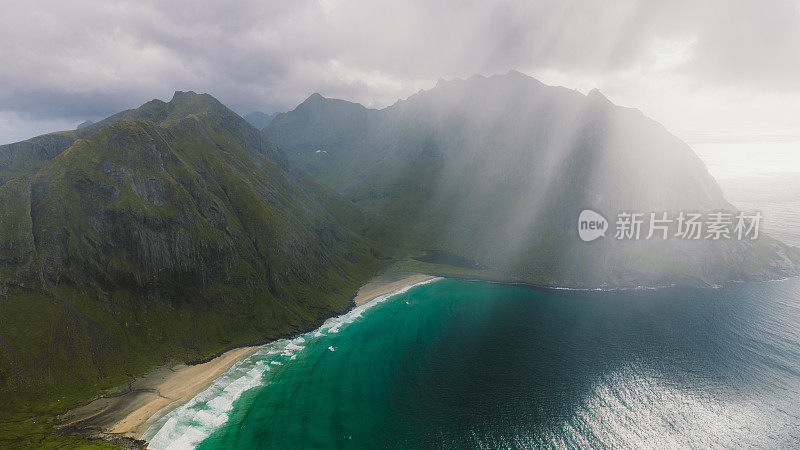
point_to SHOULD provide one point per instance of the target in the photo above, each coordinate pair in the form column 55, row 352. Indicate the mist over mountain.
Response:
column 497, row 169
column 176, row 230
column 170, row 231
column 259, row 119
column 84, row 124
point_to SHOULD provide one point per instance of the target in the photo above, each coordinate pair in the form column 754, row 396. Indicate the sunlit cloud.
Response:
column 685, row 64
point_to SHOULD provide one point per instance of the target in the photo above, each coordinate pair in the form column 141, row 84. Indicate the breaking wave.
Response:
column 189, row 424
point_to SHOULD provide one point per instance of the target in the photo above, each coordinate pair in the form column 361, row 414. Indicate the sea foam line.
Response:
column 191, row 423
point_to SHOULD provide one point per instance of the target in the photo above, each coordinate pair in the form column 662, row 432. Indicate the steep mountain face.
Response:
column 498, row 169
column 171, row 231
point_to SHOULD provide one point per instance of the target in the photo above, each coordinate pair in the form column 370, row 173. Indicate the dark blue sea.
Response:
column 458, row 364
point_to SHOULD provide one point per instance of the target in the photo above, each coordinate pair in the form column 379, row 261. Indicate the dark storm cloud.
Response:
column 79, row 59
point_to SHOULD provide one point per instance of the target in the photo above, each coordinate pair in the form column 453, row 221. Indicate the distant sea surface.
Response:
column 776, row 196
column 758, row 173
column 455, row 364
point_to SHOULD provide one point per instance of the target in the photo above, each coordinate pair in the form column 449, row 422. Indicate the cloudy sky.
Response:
column 701, row 68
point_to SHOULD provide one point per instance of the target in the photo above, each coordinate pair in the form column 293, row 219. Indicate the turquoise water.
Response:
column 467, row 364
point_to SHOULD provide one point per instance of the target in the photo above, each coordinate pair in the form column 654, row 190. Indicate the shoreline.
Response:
column 127, row 415
column 386, row 284
column 567, row 287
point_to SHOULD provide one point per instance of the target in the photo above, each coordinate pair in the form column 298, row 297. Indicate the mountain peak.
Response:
column 517, row 78
column 516, row 74
column 17, row 156
column 184, row 93
column 316, row 97
column 597, row 95
column 197, row 101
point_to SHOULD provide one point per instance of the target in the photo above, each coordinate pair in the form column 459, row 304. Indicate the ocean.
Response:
column 757, row 172
column 454, row 364
column 472, row 364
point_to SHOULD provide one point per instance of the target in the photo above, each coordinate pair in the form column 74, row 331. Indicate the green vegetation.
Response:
column 176, row 230
column 161, row 240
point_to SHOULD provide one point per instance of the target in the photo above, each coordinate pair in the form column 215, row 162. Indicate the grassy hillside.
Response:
column 27, row 157
column 150, row 242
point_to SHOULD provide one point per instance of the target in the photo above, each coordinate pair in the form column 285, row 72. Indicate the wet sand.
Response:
column 126, row 414
column 386, row 283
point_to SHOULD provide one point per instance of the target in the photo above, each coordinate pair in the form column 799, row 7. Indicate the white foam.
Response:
column 189, row 424
column 333, row 324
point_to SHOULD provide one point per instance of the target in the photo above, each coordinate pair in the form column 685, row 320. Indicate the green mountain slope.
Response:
column 28, row 156
column 172, row 237
column 498, row 169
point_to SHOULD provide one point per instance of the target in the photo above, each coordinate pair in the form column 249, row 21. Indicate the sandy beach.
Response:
column 386, row 283
column 126, row 414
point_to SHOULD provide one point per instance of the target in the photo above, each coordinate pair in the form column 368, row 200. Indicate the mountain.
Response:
column 28, row 156
column 259, row 119
column 169, row 232
column 498, row 169
column 176, row 230
column 84, row 124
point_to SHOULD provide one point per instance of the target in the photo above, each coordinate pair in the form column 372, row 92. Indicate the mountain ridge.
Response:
column 147, row 242
column 29, row 155
column 175, row 230
column 468, row 158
